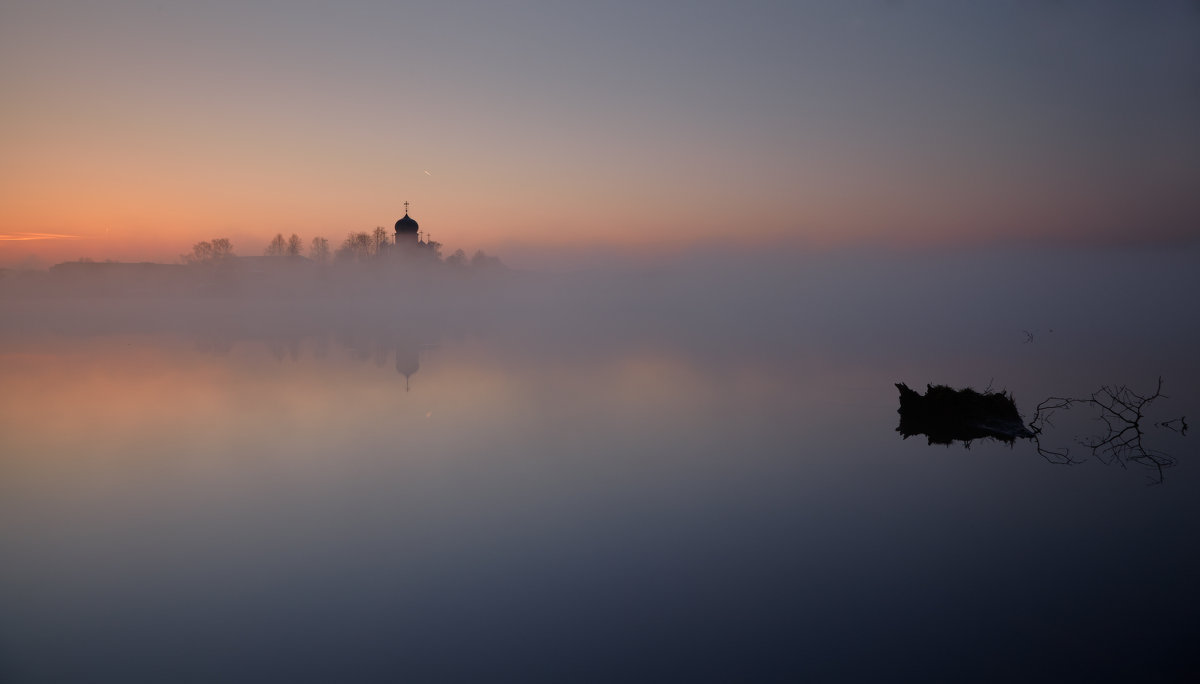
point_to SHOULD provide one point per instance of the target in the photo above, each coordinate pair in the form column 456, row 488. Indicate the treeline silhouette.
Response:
column 356, row 247
column 366, row 265
column 207, row 252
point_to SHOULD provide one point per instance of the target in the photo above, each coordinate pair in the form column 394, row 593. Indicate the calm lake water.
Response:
column 681, row 473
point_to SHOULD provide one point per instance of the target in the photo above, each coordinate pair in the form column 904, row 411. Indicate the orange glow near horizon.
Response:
column 114, row 227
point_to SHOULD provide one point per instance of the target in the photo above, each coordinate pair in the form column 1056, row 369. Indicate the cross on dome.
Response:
column 406, row 226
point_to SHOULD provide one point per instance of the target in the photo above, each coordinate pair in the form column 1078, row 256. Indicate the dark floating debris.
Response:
column 946, row 415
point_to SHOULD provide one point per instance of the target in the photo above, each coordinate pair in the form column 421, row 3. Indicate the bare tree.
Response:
column 222, row 248
column 294, row 246
column 356, row 247
column 379, row 240
column 459, row 258
column 277, row 247
column 318, row 251
column 219, row 249
column 482, row 260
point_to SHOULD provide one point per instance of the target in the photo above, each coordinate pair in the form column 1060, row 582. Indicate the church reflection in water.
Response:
column 408, row 361
column 398, row 348
column 401, row 347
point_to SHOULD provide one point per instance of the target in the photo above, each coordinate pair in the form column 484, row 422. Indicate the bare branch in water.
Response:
column 1121, row 410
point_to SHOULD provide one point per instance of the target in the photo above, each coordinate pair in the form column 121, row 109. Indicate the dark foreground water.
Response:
column 682, row 474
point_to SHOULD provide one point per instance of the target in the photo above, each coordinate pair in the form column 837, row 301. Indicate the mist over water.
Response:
column 680, row 469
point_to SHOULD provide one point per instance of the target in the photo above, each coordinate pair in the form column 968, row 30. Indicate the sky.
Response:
column 132, row 129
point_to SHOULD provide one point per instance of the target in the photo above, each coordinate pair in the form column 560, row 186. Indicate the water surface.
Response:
column 680, row 474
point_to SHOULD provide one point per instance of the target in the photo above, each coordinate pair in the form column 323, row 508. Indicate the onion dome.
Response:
column 406, row 225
